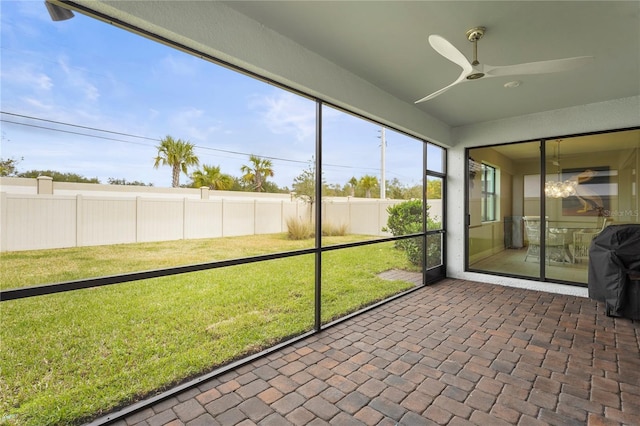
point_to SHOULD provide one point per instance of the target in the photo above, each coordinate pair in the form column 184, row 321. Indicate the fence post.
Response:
column 222, row 217
column 45, row 185
column 185, row 200
column 79, row 221
column 138, row 220
column 350, row 204
column 204, row 192
column 255, row 217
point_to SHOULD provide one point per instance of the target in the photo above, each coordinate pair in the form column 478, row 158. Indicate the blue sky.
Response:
column 100, row 78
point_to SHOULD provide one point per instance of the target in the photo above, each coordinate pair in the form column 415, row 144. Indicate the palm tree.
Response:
column 211, row 177
column 178, row 154
column 257, row 173
column 353, row 182
column 367, row 182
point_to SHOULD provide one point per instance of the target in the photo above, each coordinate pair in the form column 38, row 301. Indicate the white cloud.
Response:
column 37, row 103
column 25, row 75
column 43, row 81
column 77, row 79
column 286, row 113
column 193, row 124
column 182, row 66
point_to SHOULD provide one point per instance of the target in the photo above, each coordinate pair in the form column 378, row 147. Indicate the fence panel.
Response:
column 365, row 218
column 203, row 219
column 160, row 220
column 238, row 217
column 337, row 214
column 106, row 221
column 32, row 222
column 40, row 222
column 268, row 217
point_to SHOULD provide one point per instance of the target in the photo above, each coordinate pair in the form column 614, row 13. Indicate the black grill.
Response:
column 614, row 270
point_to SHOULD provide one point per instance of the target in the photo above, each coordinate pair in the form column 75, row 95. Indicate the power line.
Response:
column 73, row 133
column 77, row 125
column 145, row 138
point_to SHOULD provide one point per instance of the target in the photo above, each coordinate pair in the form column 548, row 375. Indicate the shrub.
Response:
column 331, row 230
column 406, row 218
column 299, row 229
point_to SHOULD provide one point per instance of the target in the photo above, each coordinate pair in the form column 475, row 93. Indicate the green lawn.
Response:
column 71, row 356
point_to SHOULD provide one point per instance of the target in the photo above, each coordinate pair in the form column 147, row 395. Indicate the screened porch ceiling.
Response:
column 385, row 45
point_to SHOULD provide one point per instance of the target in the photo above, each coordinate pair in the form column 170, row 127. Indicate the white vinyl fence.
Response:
column 30, row 221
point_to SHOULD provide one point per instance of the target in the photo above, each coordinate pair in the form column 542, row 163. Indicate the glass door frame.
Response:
column 432, row 275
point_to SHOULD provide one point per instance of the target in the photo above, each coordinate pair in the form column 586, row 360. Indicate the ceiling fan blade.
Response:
column 542, row 67
column 449, row 51
column 459, row 80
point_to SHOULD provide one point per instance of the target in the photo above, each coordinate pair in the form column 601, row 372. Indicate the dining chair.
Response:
column 556, row 246
column 582, row 240
column 532, row 231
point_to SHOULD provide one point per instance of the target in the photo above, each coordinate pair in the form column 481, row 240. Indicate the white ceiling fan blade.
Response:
column 542, row 67
column 459, row 80
column 449, row 51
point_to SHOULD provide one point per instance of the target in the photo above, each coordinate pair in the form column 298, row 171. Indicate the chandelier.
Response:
column 559, row 188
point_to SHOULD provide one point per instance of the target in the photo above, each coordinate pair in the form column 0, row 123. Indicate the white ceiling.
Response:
column 385, row 43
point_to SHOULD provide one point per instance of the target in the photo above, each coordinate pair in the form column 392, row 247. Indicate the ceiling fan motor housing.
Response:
column 475, row 34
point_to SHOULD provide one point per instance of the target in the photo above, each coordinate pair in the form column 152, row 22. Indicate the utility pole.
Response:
column 383, row 145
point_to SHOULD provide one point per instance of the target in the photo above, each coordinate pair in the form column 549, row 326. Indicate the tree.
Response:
column 304, row 186
column 212, row 177
column 434, row 189
column 178, row 154
column 353, row 182
column 368, row 182
column 257, row 172
column 59, row 176
column 273, row 188
column 333, row 190
column 396, row 190
column 8, row 166
column 123, row 181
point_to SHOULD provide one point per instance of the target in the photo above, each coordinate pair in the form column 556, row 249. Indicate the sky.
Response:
column 82, row 96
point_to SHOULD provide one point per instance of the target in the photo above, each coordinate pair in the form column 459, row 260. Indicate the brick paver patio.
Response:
column 456, row 353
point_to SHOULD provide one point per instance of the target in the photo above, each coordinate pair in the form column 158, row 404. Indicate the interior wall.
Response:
column 487, row 238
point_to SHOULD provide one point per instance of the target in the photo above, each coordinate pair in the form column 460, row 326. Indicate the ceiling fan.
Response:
column 475, row 70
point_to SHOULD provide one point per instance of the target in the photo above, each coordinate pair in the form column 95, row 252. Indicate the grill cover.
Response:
column 614, row 270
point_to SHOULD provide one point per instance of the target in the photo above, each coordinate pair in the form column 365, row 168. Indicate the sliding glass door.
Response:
column 504, row 190
column 588, row 182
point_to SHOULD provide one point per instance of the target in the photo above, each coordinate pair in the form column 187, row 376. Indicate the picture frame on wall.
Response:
column 593, row 193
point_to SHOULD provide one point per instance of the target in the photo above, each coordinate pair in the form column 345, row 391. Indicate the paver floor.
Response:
column 456, row 353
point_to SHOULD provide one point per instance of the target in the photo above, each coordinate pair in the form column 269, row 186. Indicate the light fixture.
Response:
column 512, row 84
column 58, row 13
column 559, row 188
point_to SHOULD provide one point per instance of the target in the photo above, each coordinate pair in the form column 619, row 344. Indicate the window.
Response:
column 489, row 195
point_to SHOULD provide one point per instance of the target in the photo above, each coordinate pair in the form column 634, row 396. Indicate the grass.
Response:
column 35, row 267
column 69, row 357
